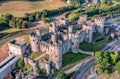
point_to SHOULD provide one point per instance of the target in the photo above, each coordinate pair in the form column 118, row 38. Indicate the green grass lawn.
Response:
column 19, row 8
column 9, row 30
column 117, row 20
column 94, row 47
column 35, row 54
column 28, row 66
column 116, row 2
column 69, row 59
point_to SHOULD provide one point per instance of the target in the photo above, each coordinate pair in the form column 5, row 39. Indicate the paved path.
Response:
column 84, row 69
column 40, row 56
column 113, row 46
column 86, row 52
column 74, row 68
column 81, row 51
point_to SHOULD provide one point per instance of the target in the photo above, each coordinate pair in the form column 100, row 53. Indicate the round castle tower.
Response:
column 34, row 41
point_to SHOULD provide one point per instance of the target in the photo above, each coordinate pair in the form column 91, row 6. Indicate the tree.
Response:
column 41, row 71
column 6, row 17
column 19, row 22
column 61, row 75
column 76, row 2
column 106, row 2
column 102, row 58
column 38, row 16
column 114, row 56
column 100, row 70
column 26, row 16
column 31, row 17
column 106, row 71
column 20, row 64
column 12, row 23
column 46, row 20
column 117, row 67
column 24, row 24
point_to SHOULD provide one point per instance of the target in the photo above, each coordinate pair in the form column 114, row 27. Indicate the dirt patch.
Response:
column 4, row 52
column 4, row 49
column 18, row 8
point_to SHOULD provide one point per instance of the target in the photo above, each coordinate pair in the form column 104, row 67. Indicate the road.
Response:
column 113, row 46
column 74, row 68
column 80, row 74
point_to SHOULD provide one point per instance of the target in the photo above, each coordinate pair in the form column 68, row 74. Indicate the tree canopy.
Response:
column 61, row 75
column 102, row 58
column 117, row 67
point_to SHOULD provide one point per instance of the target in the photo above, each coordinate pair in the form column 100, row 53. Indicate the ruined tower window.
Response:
column 37, row 43
column 56, row 56
column 72, row 43
column 33, row 40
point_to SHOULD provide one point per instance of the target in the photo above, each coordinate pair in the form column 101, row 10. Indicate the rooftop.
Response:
column 19, row 43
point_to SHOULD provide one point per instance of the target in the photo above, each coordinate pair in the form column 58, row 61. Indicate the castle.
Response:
column 64, row 37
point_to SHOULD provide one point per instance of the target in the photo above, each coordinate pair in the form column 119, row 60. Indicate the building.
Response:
column 62, row 38
column 18, row 48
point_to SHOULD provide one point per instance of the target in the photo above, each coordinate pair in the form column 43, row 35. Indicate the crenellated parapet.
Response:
column 100, row 23
column 82, row 18
column 99, row 20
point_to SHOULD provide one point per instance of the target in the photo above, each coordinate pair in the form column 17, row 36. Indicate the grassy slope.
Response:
column 70, row 59
column 116, row 2
column 35, row 54
column 9, row 30
column 94, row 47
column 18, row 8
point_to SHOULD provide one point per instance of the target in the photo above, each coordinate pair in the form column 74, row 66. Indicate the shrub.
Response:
column 61, row 75
column 20, row 64
column 106, row 71
column 117, row 67
column 100, row 70
column 41, row 71
column 46, row 20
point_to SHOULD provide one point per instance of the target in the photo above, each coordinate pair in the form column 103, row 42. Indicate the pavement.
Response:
column 113, row 46
column 85, row 67
column 74, row 68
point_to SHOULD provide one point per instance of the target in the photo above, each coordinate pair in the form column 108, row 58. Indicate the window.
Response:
column 37, row 43
column 72, row 43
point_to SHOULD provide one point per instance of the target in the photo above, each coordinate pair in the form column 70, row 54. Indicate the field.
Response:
column 18, row 8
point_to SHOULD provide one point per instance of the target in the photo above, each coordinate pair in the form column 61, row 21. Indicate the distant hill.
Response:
column 19, row 7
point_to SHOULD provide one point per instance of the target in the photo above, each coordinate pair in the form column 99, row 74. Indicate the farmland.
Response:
column 19, row 8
